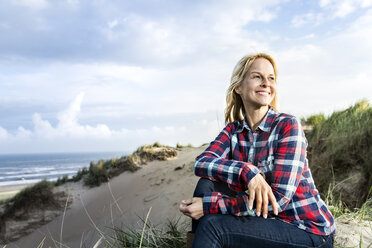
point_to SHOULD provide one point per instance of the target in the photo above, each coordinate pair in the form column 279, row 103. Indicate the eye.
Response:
column 256, row 76
column 271, row 78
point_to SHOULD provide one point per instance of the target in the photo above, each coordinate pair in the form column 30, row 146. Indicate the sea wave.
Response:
column 32, row 168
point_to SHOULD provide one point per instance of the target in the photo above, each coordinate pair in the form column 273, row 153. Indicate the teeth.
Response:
column 263, row 93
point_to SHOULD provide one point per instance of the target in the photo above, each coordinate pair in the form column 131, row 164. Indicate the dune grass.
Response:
column 172, row 235
column 103, row 170
column 340, row 154
column 40, row 195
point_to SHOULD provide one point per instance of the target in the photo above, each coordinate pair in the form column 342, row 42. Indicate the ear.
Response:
column 237, row 90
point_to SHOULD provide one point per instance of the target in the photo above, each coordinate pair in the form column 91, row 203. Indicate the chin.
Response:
column 264, row 104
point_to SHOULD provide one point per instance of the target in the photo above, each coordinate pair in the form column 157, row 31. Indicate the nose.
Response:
column 265, row 82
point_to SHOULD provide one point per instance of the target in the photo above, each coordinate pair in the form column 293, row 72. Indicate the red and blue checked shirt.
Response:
column 277, row 149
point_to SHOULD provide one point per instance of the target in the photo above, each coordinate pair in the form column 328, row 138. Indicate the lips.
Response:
column 263, row 93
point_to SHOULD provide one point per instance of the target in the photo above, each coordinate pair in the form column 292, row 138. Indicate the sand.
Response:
column 129, row 196
column 9, row 191
column 120, row 203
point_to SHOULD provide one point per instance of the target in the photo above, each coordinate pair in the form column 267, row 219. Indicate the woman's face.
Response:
column 259, row 85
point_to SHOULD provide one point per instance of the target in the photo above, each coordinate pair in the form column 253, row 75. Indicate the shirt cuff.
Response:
column 210, row 202
column 248, row 172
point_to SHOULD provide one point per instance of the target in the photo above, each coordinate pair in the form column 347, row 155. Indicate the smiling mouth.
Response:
column 263, row 93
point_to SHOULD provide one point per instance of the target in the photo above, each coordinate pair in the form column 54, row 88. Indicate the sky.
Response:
column 100, row 75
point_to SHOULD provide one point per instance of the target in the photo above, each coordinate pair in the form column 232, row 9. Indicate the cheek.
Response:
column 273, row 88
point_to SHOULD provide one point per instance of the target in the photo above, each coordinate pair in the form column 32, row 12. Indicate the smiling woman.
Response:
column 256, row 189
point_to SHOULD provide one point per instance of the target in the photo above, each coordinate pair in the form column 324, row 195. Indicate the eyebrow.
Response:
column 271, row 74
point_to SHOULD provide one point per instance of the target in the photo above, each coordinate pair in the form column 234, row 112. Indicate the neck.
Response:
column 255, row 116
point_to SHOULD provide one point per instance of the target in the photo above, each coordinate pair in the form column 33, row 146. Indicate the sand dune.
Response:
column 119, row 203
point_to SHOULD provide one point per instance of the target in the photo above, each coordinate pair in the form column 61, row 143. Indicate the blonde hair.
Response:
column 234, row 105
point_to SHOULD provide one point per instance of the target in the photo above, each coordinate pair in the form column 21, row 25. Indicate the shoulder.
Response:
column 285, row 121
column 234, row 127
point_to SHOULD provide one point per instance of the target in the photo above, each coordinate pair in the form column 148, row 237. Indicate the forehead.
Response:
column 262, row 65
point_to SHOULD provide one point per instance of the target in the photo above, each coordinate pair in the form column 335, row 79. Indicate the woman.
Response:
column 256, row 189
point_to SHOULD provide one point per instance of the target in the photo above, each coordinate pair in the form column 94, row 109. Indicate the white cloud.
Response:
column 69, row 135
column 32, row 4
column 313, row 19
column 68, row 125
column 342, row 8
column 164, row 65
column 327, row 75
column 3, row 134
column 23, row 133
column 68, row 118
column 112, row 24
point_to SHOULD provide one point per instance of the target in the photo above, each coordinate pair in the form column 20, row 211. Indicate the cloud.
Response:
column 314, row 19
column 148, row 70
column 32, row 4
column 327, row 75
column 69, row 135
column 68, row 125
column 342, row 8
column 130, row 34
column 3, row 133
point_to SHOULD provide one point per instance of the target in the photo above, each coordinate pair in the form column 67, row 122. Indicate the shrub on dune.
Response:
column 340, row 154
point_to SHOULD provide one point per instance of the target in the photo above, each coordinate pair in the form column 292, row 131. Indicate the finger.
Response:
column 251, row 199
column 182, row 207
column 185, row 210
column 188, row 201
column 265, row 202
column 258, row 203
column 273, row 202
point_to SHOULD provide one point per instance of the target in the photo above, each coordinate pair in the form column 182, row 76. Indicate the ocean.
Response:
column 16, row 169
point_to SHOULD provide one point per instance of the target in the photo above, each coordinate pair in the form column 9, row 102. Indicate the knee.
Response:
column 209, row 220
column 203, row 186
column 209, row 227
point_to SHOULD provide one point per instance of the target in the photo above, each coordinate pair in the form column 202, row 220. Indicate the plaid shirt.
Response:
column 276, row 149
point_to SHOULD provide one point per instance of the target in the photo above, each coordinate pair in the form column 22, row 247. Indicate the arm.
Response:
column 289, row 162
column 214, row 163
column 288, row 166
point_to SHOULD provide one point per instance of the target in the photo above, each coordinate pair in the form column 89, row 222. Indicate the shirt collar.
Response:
column 265, row 124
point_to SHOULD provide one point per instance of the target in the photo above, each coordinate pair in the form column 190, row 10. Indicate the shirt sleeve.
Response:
column 289, row 162
column 288, row 166
column 217, row 203
column 214, row 163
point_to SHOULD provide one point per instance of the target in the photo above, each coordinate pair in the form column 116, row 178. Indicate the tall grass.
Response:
column 172, row 235
column 41, row 195
column 103, row 170
column 340, row 154
column 37, row 196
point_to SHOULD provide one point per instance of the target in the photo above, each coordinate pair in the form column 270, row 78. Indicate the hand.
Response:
column 261, row 191
column 192, row 207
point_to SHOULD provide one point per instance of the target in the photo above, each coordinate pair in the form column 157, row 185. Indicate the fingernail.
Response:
column 265, row 216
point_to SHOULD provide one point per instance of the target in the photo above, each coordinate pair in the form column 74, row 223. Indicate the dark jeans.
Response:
column 217, row 230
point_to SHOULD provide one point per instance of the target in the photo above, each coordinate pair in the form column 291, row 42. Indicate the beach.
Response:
column 9, row 191
column 128, row 198
column 157, row 185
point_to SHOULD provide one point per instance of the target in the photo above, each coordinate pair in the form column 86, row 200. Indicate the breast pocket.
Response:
column 266, row 164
